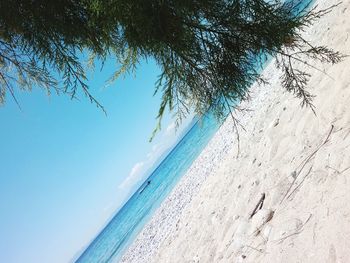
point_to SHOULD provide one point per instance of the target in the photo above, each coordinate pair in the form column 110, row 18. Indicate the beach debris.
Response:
column 258, row 206
column 260, row 250
column 261, row 218
column 256, row 182
column 302, row 166
column 269, row 216
column 298, row 186
column 337, row 171
column 299, row 229
column 294, row 174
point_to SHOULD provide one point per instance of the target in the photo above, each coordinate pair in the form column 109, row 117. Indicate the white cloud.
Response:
column 155, row 149
column 108, row 207
column 137, row 167
column 133, row 177
column 171, row 128
column 165, row 140
column 137, row 172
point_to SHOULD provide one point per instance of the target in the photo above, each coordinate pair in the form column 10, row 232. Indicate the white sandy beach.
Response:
column 305, row 216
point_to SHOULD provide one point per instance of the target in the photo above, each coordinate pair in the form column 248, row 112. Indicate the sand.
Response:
column 299, row 162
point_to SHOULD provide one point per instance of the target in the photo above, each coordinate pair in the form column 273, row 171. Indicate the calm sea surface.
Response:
column 109, row 245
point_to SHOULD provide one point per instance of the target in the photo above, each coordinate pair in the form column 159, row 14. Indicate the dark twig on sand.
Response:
column 297, row 232
column 298, row 186
column 305, row 161
column 337, row 171
column 260, row 250
column 258, row 206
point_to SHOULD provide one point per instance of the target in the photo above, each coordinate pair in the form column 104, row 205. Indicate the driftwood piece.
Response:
column 258, row 206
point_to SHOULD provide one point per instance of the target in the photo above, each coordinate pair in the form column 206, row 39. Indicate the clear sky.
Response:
column 65, row 167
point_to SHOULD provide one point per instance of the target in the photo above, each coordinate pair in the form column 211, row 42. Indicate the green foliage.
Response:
column 209, row 51
column 40, row 39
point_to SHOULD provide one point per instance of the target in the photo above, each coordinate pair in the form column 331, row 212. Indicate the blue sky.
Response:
column 65, row 167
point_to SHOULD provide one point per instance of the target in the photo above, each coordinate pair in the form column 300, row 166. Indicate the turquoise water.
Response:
column 110, row 244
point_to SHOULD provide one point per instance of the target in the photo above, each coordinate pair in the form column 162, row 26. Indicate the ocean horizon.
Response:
column 110, row 244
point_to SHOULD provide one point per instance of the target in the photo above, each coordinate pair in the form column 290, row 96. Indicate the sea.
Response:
column 121, row 231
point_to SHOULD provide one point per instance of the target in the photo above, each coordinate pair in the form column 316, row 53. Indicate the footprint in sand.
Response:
column 332, row 257
column 320, row 176
column 279, row 146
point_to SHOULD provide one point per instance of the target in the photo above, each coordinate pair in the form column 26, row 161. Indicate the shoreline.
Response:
column 304, row 216
column 167, row 215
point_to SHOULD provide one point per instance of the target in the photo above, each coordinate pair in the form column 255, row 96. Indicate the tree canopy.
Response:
column 209, row 51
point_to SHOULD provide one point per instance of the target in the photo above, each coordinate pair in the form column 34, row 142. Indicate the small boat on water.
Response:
column 148, row 183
